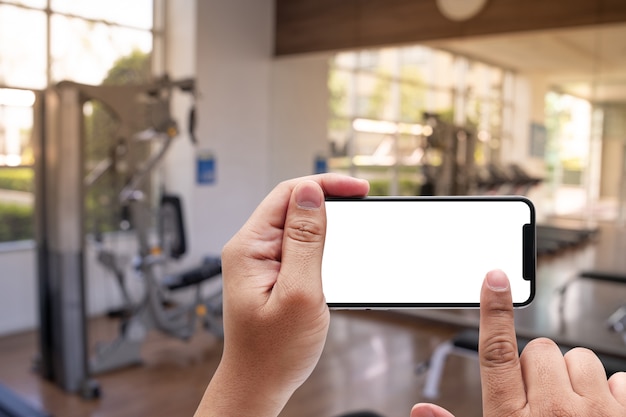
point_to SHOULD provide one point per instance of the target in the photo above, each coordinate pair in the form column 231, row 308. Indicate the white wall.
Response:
column 264, row 119
column 177, row 173
column 234, row 46
column 18, row 291
column 18, row 282
column 299, row 115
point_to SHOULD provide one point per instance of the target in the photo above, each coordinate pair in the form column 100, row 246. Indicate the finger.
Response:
column 501, row 374
column 273, row 208
column 586, row 373
column 545, row 373
column 303, row 244
column 617, row 385
column 429, row 410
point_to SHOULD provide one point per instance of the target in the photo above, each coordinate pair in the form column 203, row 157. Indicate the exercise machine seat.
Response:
column 466, row 343
column 468, row 339
column 607, row 276
column 210, row 267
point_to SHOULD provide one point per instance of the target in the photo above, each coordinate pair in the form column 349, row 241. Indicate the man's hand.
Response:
column 275, row 315
column 542, row 382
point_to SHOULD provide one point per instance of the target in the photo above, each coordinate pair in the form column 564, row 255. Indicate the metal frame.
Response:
column 60, row 184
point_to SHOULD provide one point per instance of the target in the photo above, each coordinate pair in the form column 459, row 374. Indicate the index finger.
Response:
column 273, row 209
column 500, row 370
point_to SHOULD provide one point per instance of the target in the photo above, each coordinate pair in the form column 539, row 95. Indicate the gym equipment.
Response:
column 617, row 321
column 552, row 240
column 465, row 344
column 155, row 310
column 448, row 164
column 11, row 405
column 512, row 179
column 143, row 113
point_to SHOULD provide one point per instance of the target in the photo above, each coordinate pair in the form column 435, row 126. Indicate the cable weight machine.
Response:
column 143, row 114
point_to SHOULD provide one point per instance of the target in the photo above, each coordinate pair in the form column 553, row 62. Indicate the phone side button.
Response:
column 529, row 256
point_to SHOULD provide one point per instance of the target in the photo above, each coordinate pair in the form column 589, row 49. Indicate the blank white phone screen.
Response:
column 422, row 252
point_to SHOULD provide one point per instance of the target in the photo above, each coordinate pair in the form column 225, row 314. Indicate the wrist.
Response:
column 236, row 391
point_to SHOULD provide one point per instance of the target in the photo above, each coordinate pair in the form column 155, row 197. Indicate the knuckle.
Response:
column 501, row 310
column 297, row 298
column 499, row 351
column 304, row 230
column 230, row 252
column 555, row 407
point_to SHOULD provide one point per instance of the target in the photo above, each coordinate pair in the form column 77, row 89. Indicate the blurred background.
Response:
column 137, row 136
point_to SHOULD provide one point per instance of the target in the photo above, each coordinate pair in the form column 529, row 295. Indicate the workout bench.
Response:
column 465, row 343
column 617, row 321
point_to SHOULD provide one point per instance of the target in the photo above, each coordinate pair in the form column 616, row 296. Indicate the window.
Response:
column 382, row 104
column 46, row 41
column 568, row 157
column 16, row 158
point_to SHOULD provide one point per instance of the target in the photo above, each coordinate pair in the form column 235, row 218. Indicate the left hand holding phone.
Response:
column 275, row 316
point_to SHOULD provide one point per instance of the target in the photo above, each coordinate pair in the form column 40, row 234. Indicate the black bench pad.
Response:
column 617, row 277
column 468, row 339
column 211, row 267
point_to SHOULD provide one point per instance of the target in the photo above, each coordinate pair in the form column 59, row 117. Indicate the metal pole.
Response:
column 60, row 243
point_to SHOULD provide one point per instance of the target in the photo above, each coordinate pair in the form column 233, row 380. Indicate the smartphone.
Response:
column 394, row 252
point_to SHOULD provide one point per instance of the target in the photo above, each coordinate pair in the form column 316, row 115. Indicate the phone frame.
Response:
column 529, row 261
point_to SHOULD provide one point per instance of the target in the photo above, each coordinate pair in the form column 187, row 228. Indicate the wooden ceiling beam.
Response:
column 329, row 25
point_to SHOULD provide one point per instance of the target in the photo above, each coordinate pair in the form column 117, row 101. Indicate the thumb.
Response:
column 429, row 410
column 303, row 242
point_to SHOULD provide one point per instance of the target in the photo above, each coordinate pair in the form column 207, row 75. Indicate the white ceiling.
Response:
column 589, row 62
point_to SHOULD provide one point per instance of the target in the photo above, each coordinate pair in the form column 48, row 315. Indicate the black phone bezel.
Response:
column 529, row 236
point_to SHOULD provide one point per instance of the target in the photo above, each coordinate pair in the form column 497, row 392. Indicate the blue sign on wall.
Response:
column 205, row 172
column 321, row 164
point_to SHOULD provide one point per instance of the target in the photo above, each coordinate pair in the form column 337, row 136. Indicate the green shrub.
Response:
column 17, row 179
column 16, row 222
column 382, row 187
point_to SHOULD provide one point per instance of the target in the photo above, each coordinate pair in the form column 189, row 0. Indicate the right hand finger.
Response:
column 501, row 375
column 617, row 385
column 429, row 410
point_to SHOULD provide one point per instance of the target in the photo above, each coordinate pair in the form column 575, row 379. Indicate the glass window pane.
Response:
column 16, row 123
column 16, row 182
column 442, row 74
column 440, row 102
column 371, row 60
column 135, row 13
column 85, row 52
column 412, row 102
column 16, row 204
column 339, row 87
column 22, row 47
column 427, row 66
column 373, row 98
column 346, row 60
